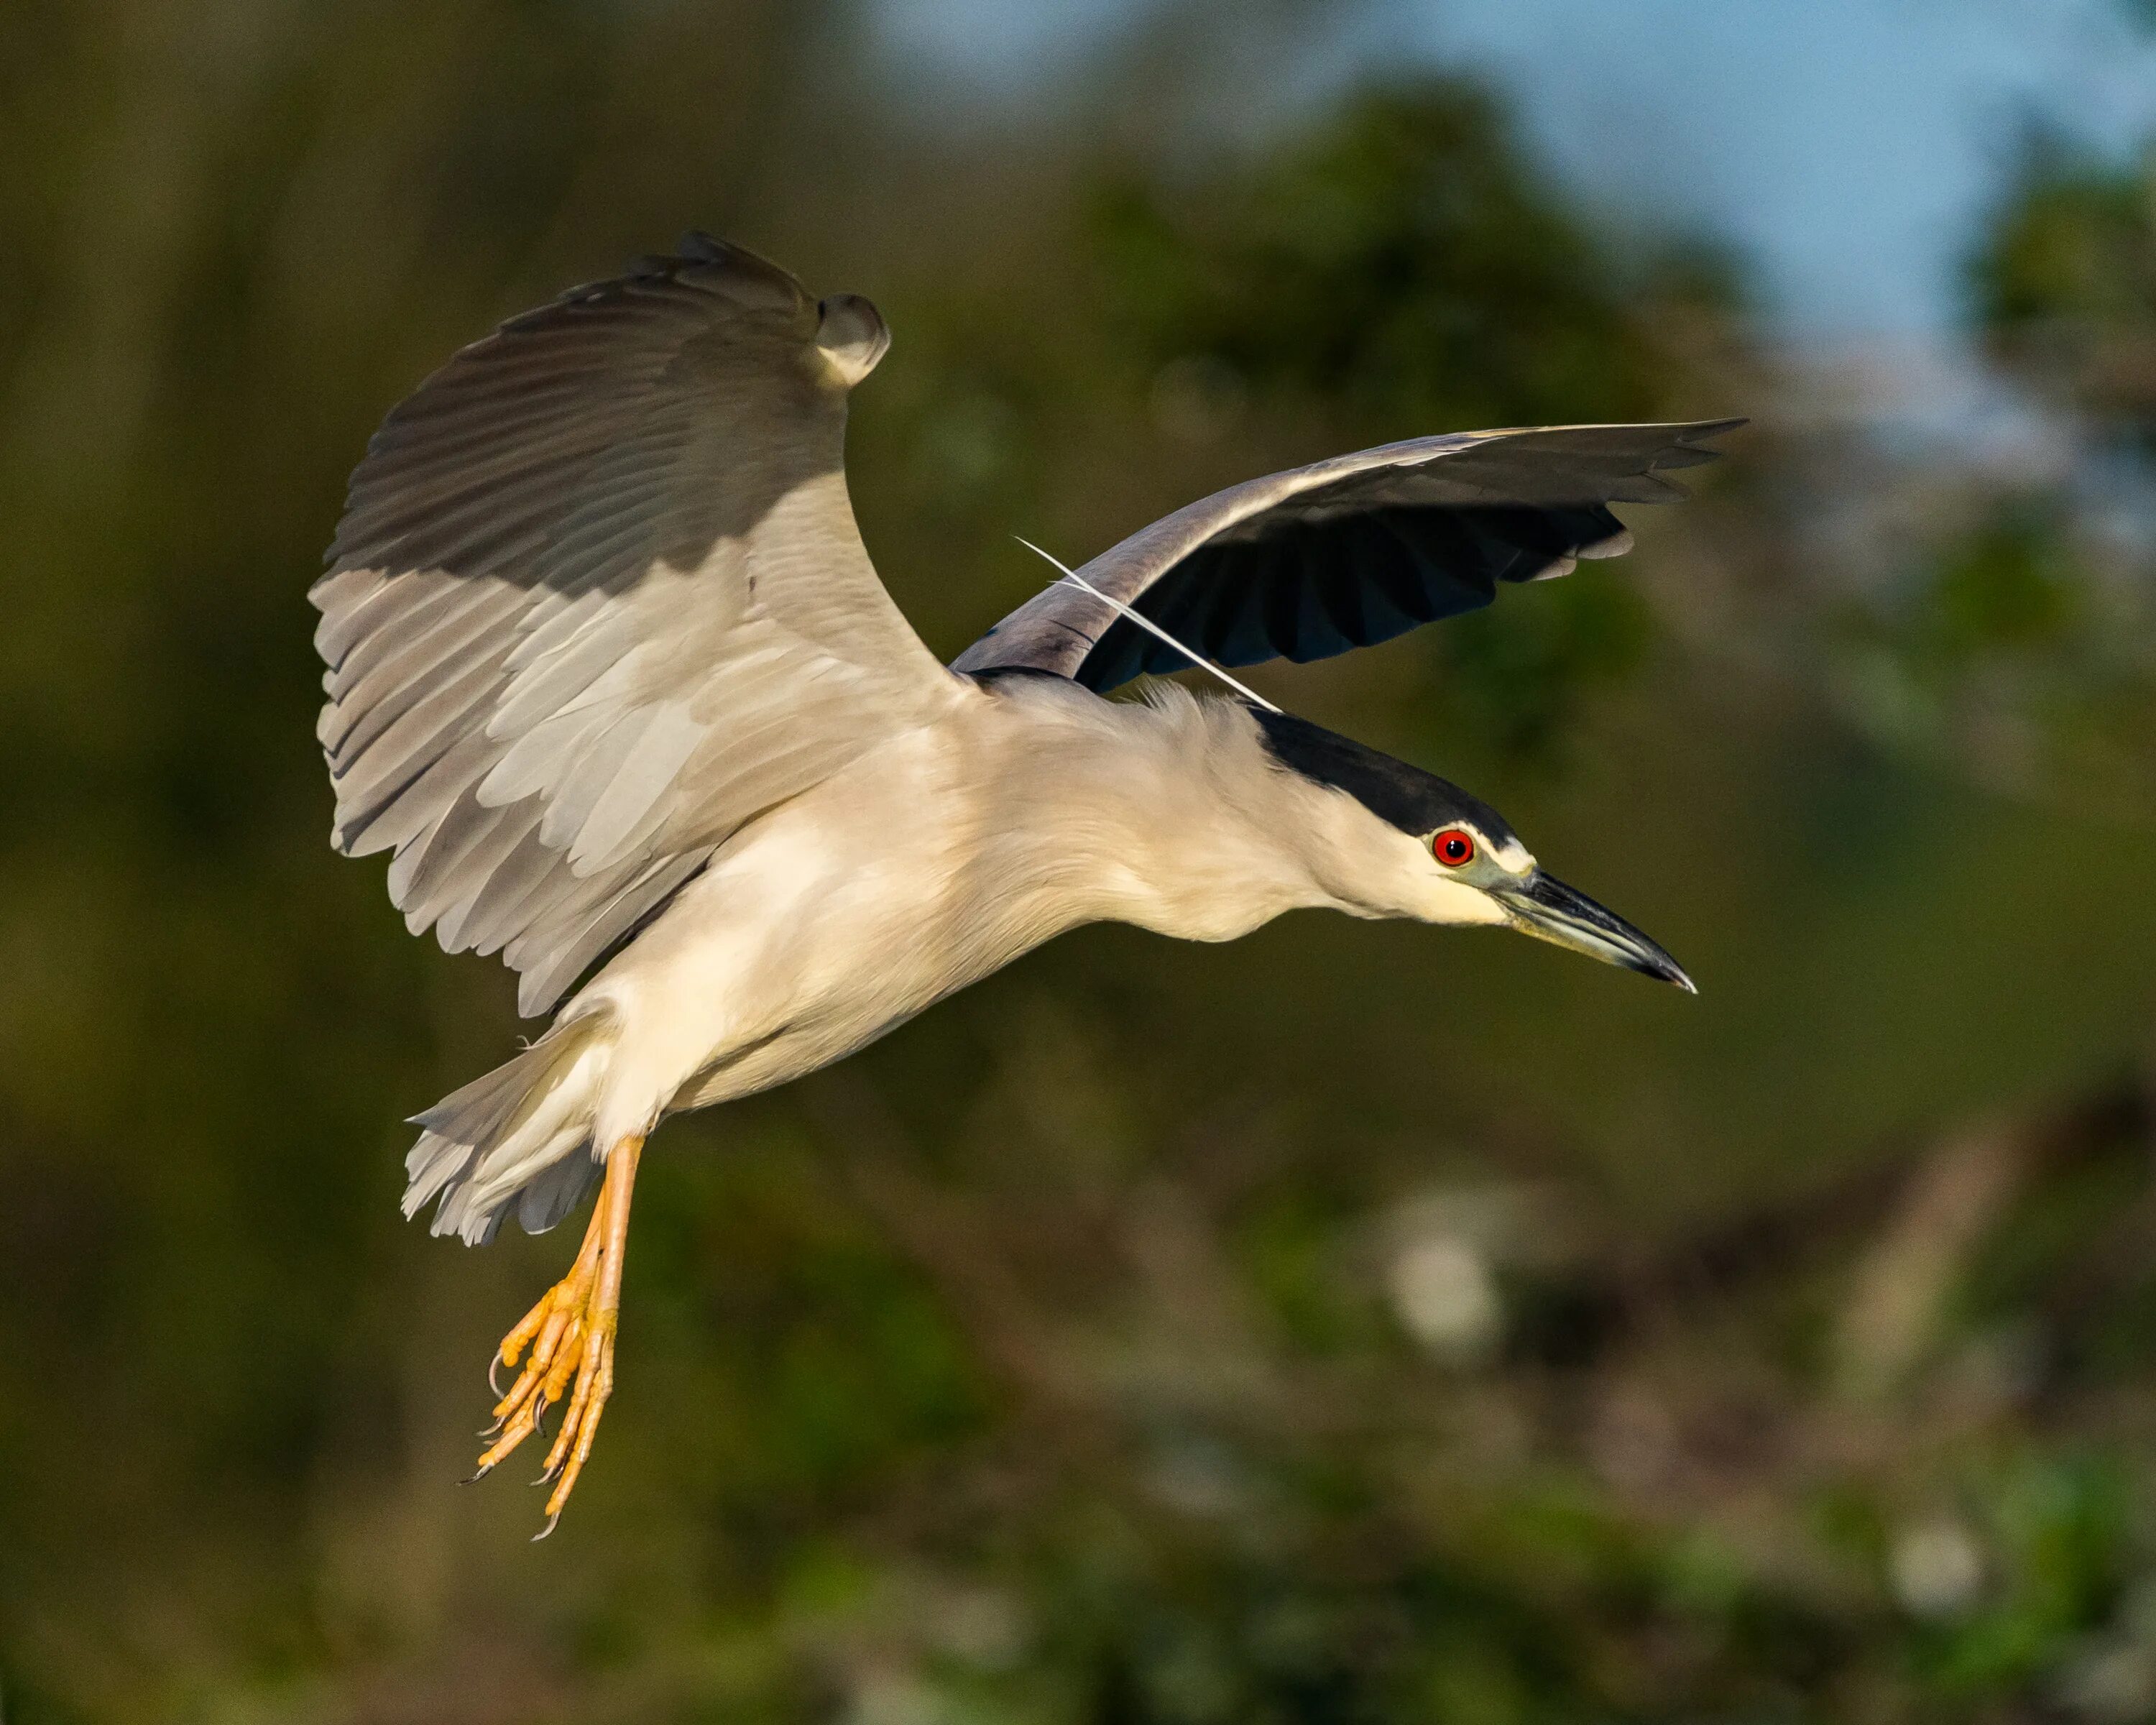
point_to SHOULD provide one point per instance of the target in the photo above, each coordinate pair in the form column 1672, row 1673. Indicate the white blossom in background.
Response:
column 1936, row 1567
column 1446, row 1298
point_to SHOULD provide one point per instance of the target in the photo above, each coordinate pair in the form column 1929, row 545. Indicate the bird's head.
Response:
column 1401, row 842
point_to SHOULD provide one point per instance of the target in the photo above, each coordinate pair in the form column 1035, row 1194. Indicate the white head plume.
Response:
column 1073, row 578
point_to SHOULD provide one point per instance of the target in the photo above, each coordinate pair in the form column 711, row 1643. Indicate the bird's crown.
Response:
column 1405, row 796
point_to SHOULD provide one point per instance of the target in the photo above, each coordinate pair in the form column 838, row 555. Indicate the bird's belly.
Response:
column 851, row 981
column 765, row 970
column 923, row 867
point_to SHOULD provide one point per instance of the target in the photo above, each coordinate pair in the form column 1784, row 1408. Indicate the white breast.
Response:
column 931, row 863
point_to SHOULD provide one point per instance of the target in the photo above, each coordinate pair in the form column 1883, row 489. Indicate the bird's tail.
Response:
column 522, row 1132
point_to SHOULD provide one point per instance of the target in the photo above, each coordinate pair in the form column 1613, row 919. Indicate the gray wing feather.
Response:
column 555, row 1191
column 598, row 599
column 1346, row 553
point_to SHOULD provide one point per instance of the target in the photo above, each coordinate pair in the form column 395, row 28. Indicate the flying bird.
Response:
column 612, row 678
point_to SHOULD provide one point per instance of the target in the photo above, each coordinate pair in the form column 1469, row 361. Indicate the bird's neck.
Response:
column 1164, row 814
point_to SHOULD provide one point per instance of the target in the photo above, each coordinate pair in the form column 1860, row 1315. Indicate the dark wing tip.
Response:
column 1514, row 504
column 1689, row 447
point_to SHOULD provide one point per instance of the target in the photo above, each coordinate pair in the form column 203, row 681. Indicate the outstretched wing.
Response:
column 1346, row 552
column 597, row 599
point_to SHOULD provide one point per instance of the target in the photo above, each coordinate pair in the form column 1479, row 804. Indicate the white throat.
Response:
column 1173, row 814
column 1165, row 812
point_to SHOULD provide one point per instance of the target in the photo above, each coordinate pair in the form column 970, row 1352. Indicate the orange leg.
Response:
column 570, row 1333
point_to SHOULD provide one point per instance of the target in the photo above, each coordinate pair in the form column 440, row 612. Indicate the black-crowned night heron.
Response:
column 611, row 675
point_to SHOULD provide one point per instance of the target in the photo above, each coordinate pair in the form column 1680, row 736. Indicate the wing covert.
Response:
column 597, row 599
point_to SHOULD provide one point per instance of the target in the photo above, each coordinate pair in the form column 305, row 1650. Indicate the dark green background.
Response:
column 1057, row 1359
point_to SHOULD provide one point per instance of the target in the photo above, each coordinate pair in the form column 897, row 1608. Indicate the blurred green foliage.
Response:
column 2002, row 621
column 1402, row 262
column 1349, row 1324
column 2064, row 282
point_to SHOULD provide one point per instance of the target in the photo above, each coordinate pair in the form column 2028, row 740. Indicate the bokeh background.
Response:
column 1355, row 1323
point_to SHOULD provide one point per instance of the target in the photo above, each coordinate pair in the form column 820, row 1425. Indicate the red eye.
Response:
column 1453, row 848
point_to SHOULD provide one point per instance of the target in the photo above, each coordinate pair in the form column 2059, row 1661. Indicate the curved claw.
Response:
column 566, row 1343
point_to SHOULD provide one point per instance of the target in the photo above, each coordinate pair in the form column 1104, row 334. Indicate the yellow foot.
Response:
column 571, row 1334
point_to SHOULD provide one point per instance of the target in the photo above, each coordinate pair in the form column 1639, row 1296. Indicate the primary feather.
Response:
column 1348, row 551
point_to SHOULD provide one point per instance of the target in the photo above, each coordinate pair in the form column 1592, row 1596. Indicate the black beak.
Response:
column 1549, row 909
